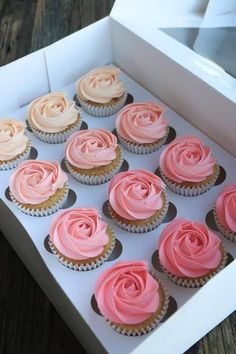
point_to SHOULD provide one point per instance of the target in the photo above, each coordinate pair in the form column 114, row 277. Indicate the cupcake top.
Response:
column 141, row 123
column 189, row 249
column 225, row 207
column 126, row 293
column 52, row 113
column 34, row 181
column 136, row 195
column 13, row 140
column 187, row 159
column 100, row 85
column 91, row 148
column 79, row 233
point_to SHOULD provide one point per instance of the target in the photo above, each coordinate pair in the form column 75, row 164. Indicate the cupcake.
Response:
column 131, row 299
column 14, row 144
column 53, row 118
column 80, row 239
column 137, row 200
column 188, row 167
column 190, row 253
column 38, row 188
column 100, row 92
column 93, row 156
column 141, row 127
column 225, row 212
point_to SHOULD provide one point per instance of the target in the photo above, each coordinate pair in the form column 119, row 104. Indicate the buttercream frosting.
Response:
column 141, row 123
column 187, row 159
column 136, row 195
column 52, row 113
column 79, row 233
column 100, row 85
column 189, row 249
column 226, row 207
column 13, row 140
column 91, row 148
column 126, row 293
column 34, row 181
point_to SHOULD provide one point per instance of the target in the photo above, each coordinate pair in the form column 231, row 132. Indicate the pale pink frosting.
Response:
column 91, row 148
column 126, row 293
column 52, row 113
column 136, row 195
column 141, row 122
column 79, row 233
column 100, row 85
column 226, row 207
column 189, row 249
column 187, row 159
column 13, row 140
column 34, row 181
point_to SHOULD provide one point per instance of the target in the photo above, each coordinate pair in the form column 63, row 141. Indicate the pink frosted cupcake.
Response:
column 131, row 299
column 188, row 167
column 141, row 127
column 38, row 188
column 80, row 239
column 225, row 212
column 190, row 253
column 137, row 200
column 93, row 156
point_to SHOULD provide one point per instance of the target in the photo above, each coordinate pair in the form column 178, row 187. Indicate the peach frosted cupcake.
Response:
column 137, row 200
column 141, row 127
column 53, row 118
column 93, row 156
column 100, row 92
column 190, row 253
column 225, row 212
column 38, row 188
column 130, row 298
column 188, row 167
column 14, row 144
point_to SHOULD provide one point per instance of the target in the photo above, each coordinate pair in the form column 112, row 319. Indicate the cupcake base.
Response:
column 13, row 163
column 225, row 232
column 88, row 264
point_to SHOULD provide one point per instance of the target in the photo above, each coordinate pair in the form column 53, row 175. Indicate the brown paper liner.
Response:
column 13, row 163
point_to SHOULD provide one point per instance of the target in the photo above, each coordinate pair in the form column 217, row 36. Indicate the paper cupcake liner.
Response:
column 230, row 235
column 188, row 191
column 104, row 111
column 8, row 165
column 87, row 265
column 42, row 211
column 55, row 138
column 94, row 180
column 142, row 149
column 199, row 282
column 140, row 229
column 149, row 327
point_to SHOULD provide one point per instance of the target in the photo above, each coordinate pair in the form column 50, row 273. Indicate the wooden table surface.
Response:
column 28, row 322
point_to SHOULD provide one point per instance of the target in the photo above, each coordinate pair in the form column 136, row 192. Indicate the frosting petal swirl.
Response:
column 79, row 233
column 189, row 249
column 127, row 293
column 52, row 113
column 91, row 148
column 34, row 181
column 136, row 195
column 187, row 159
column 13, row 140
column 226, row 207
column 141, row 122
column 100, row 85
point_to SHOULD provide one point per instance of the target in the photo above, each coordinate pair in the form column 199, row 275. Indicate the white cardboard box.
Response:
column 169, row 71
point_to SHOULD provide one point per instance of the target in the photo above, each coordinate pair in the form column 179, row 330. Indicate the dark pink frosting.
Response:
column 187, row 159
column 226, row 207
column 136, row 195
column 189, row 249
column 126, row 293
